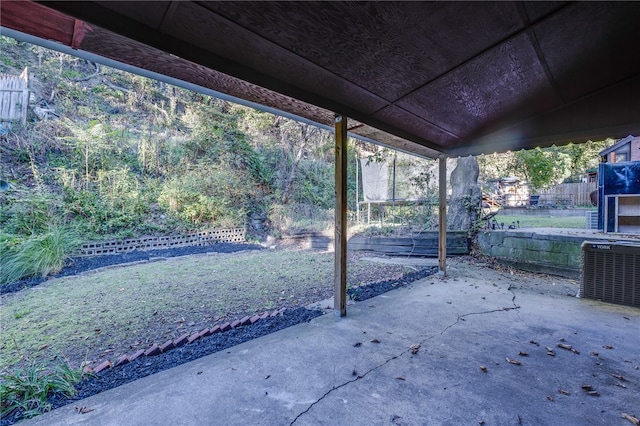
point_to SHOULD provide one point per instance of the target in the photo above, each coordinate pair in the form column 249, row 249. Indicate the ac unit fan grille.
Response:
column 611, row 275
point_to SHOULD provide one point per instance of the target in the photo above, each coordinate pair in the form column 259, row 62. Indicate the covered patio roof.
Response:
column 434, row 79
column 425, row 78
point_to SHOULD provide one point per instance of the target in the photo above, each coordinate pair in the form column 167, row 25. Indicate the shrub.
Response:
column 209, row 194
column 36, row 255
column 27, row 213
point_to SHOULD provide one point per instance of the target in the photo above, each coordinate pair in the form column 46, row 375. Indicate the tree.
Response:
column 581, row 157
column 90, row 144
column 539, row 167
column 464, row 207
column 296, row 139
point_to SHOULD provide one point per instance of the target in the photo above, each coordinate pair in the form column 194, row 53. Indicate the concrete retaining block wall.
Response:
column 551, row 254
column 233, row 235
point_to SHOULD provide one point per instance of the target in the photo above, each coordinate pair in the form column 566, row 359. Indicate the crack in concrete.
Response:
column 513, row 300
column 460, row 317
column 360, row 376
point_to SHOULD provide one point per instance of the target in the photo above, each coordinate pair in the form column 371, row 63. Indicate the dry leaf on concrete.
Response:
column 513, row 361
column 634, row 420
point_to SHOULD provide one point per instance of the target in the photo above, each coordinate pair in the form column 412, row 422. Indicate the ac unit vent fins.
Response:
column 611, row 272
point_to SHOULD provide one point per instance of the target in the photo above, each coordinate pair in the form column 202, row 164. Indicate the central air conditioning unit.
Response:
column 611, row 272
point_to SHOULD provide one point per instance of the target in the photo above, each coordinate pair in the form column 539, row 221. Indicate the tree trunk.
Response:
column 466, row 196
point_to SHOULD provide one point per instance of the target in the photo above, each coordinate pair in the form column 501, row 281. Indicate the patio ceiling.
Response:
column 456, row 78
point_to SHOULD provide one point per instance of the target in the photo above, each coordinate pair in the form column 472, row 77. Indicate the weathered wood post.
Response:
column 442, row 214
column 340, row 276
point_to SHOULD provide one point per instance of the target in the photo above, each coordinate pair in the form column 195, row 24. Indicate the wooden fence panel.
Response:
column 568, row 194
column 14, row 97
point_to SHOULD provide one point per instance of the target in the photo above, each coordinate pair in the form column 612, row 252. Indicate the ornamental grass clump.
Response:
column 37, row 255
column 26, row 391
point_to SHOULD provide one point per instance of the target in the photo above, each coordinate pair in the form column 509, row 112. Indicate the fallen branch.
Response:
column 118, row 88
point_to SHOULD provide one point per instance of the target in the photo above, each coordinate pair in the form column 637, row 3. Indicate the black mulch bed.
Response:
column 145, row 366
column 368, row 291
column 78, row 265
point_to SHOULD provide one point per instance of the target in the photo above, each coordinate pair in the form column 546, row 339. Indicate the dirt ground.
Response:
column 490, row 269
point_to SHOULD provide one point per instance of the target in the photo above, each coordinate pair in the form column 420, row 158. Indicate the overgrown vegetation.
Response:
column 112, row 155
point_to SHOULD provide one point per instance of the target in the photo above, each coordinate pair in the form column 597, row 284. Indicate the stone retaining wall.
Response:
column 545, row 253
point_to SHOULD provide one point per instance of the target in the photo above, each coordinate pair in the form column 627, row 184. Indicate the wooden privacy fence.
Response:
column 14, row 97
column 568, row 194
column 233, row 235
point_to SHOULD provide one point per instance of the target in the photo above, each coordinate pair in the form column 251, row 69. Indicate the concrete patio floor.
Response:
column 360, row 370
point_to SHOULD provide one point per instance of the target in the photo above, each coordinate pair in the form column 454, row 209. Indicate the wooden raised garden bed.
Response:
column 422, row 244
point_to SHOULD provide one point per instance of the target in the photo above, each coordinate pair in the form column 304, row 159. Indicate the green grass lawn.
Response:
column 104, row 314
column 542, row 221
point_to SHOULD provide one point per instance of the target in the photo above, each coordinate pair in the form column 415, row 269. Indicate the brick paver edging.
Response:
column 187, row 338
